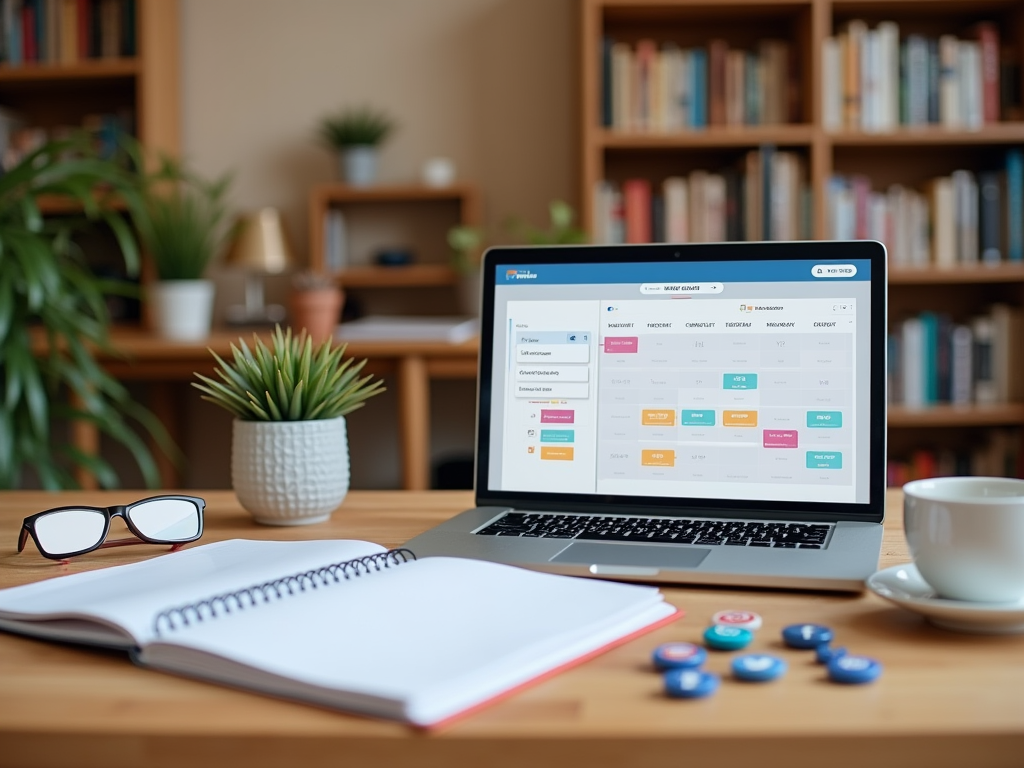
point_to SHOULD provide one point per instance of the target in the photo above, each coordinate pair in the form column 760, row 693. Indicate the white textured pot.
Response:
column 359, row 165
column 290, row 472
column 182, row 309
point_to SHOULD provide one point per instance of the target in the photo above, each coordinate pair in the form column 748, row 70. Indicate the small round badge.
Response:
column 824, row 653
column 727, row 638
column 758, row 667
column 853, row 669
column 743, row 619
column 806, row 635
column 690, row 683
column 679, row 656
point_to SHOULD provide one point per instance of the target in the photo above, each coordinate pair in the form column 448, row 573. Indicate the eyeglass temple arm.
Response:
column 129, row 542
column 22, row 538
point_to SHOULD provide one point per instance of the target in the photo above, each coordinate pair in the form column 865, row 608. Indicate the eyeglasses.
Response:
column 68, row 531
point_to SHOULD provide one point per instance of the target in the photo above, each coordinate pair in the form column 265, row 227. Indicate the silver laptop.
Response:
column 705, row 413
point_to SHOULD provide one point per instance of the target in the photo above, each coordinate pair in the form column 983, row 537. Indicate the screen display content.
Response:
column 741, row 380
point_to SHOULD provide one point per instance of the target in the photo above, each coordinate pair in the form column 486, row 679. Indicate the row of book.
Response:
column 65, row 31
column 963, row 218
column 934, row 359
column 998, row 454
column 647, row 87
column 764, row 197
column 17, row 139
column 874, row 81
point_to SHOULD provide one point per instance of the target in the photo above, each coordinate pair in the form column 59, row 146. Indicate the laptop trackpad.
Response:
column 645, row 556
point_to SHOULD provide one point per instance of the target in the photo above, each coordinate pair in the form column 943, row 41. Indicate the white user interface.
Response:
column 724, row 380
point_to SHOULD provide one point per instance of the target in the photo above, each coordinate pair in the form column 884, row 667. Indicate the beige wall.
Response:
column 487, row 83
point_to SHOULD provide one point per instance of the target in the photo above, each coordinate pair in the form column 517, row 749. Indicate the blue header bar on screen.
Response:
column 796, row 270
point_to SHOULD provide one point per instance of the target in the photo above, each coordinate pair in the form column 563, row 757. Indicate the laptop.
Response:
column 702, row 413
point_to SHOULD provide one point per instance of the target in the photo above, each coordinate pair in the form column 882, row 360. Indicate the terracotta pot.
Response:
column 317, row 310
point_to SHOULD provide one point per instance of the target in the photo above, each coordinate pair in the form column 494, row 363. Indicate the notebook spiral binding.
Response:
column 250, row 597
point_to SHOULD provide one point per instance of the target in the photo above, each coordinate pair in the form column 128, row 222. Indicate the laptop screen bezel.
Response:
column 811, row 251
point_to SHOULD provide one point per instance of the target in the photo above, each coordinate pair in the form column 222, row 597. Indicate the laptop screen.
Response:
column 747, row 376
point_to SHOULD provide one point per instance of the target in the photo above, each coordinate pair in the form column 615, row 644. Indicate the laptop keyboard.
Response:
column 660, row 530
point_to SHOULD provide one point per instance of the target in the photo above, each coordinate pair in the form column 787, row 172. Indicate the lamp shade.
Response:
column 261, row 245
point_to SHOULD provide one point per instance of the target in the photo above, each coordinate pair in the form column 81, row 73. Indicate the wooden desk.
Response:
column 945, row 699
column 144, row 357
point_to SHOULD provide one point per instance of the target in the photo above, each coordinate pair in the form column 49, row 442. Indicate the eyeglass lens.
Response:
column 70, row 530
column 167, row 520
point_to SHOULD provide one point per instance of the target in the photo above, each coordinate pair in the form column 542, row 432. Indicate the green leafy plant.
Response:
column 184, row 222
column 467, row 242
column 291, row 380
column 360, row 126
column 53, row 316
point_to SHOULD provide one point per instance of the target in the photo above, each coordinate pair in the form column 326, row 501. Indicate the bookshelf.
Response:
column 904, row 132
column 366, row 221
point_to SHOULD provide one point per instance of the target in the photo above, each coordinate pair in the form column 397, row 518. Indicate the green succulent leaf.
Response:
column 289, row 380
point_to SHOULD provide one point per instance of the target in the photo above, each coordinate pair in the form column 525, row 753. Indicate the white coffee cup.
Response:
column 966, row 535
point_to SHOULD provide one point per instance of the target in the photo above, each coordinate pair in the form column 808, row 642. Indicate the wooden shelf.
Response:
column 411, row 276
column 409, row 193
column 981, row 273
column 54, row 204
column 1002, row 414
column 992, row 133
column 86, row 70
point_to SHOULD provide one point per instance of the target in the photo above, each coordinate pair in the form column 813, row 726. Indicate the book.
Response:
column 636, row 198
column 340, row 623
column 1014, row 165
column 990, row 217
column 454, row 330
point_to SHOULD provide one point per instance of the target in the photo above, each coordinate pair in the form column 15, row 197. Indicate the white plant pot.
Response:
column 182, row 310
column 290, row 472
column 359, row 166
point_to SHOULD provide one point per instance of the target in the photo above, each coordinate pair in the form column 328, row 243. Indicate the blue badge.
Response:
column 806, row 635
column 853, row 669
column 825, row 653
column 690, row 683
column 679, row 656
column 758, row 667
column 723, row 638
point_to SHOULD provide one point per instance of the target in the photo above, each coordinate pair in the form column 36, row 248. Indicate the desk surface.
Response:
column 945, row 699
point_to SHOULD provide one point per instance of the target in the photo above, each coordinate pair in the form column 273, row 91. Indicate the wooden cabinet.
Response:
column 628, row 134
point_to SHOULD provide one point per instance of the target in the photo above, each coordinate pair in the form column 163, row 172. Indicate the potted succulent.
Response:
column 355, row 134
column 183, row 226
column 53, row 314
column 289, row 444
column 314, row 305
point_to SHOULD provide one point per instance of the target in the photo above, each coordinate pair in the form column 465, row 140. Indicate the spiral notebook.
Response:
column 339, row 623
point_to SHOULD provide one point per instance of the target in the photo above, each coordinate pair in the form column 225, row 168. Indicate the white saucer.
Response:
column 903, row 585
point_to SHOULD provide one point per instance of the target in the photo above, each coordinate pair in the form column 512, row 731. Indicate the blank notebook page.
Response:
column 429, row 637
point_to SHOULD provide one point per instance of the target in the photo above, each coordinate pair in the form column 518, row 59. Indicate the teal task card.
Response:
column 824, row 460
column 824, row 419
column 557, row 436
column 739, row 381
column 697, row 418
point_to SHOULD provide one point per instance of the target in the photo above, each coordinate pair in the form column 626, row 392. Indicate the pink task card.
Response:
column 622, row 344
column 557, row 416
column 778, row 438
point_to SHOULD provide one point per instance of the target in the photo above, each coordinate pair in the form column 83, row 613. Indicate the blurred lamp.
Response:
column 260, row 248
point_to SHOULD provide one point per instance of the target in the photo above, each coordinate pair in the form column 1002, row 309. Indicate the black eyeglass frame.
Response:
column 28, row 527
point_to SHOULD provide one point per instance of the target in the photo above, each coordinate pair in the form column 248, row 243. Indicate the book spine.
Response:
column 917, row 80
column 1015, row 204
column 699, row 66
column 988, row 42
column 912, row 362
column 989, row 224
column 933, row 81
column 961, row 365
column 637, row 200
column 767, row 169
column 984, row 375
